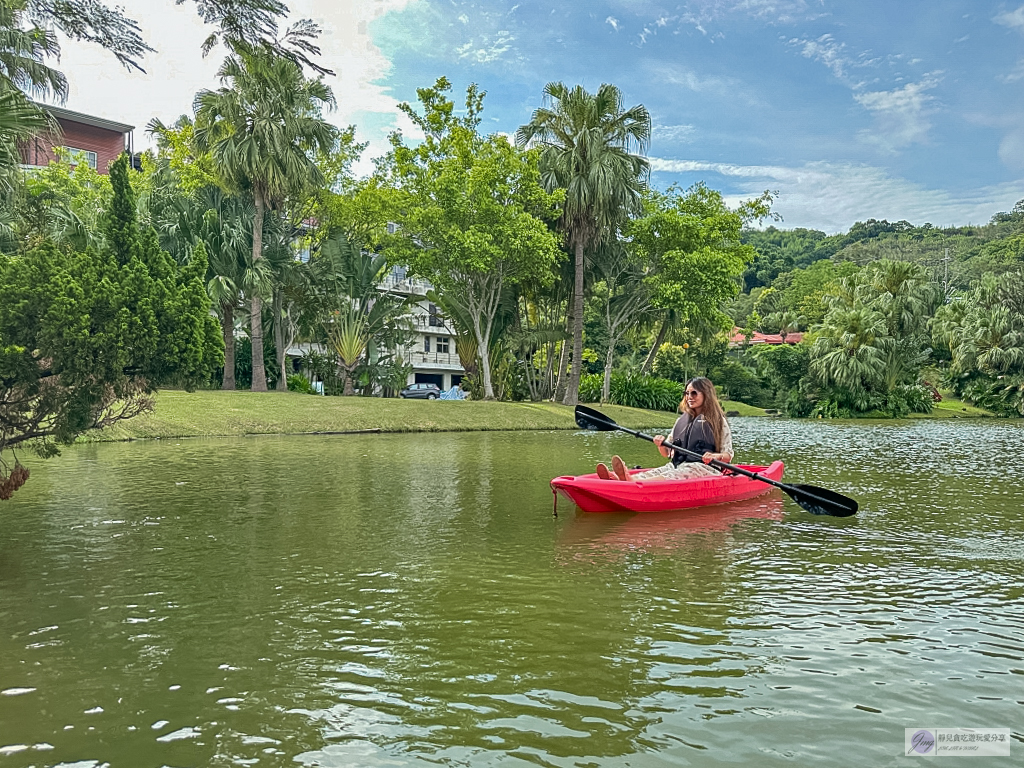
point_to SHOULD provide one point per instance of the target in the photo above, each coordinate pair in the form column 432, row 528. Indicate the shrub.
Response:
column 637, row 391
column 634, row 391
column 737, row 382
column 590, row 387
column 299, row 383
column 906, row 399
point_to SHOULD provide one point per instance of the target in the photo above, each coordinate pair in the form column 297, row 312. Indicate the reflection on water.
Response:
column 394, row 600
column 589, row 535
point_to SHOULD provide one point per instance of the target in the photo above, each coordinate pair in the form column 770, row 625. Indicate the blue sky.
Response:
column 849, row 110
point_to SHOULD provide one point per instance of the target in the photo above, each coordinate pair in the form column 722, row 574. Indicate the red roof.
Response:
column 739, row 338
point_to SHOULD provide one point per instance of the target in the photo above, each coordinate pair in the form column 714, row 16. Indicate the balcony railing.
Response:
column 430, row 323
column 415, row 285
column 440, row 359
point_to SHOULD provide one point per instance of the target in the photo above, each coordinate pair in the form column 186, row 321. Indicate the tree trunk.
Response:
column 662, row 333
column 606, row 387
column 485, row 367
column 563, row 358
column 485, row 357
column 549, row 372
column 259, row 373
column 348, row 390
column 228, row 328
column 279, row 341
column 572, row 392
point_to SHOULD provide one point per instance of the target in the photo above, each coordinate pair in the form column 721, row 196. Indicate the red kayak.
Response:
column 592, row 494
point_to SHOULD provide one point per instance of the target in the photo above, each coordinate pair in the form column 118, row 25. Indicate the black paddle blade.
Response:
column 821, row 501
column 588, row 418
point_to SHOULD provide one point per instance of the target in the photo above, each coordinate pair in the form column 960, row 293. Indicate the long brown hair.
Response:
column 711, row 410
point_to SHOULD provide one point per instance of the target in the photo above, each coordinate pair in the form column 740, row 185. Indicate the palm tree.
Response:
column 903, row 291
column 24, row 46
column 20, row 119
column 586, row 141
column 339, row 297
column 786, row 322
column 260, row 128
column 222, row 223
column 846, row 355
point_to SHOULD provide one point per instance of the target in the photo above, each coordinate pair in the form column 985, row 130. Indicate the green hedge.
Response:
column 634, row 390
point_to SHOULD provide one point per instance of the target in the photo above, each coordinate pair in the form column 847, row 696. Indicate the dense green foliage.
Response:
column 887, row 312
column 591, row 148
column 470, row 212
column 635, row 391
column 560, row 274
column 86, row 335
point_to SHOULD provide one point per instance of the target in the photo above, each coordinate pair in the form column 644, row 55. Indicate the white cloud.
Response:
column 902, row 114
column 677, row 133
column 672, row 74
column 1017, row 73
column 826, row 50
column 699, row 13
column 613, row 22
column 1011, row 19
column 1011, row 150
column 832, row 196
column 487, row 48
column 99, row 86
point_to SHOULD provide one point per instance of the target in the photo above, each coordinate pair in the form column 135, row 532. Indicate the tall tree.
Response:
column 260, row 129
column 587, row 146
column 471, row 212
column 621, row 298
column 693, row 240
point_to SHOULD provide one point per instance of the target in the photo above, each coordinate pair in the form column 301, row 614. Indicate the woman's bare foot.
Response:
column 603, row 473
column 620, row 468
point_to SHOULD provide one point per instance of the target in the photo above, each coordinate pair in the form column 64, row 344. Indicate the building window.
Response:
column 442, row 344
column 426, row 343
column 76, row 156
column 435, row 318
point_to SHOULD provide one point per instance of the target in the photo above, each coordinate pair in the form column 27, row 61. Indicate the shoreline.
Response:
column 216, row 413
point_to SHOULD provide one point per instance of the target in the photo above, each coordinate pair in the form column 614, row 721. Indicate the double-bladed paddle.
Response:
column 817, row 501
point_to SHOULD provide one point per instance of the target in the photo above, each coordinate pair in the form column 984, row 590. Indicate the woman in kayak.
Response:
column 702, row 428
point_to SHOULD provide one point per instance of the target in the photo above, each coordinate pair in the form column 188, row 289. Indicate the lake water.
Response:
column 410, row 600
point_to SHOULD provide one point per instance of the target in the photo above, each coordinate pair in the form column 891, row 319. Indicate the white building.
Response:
column 432, row 351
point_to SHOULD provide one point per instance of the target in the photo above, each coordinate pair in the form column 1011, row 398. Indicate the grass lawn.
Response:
column 742, row 408
column 217, row 413
column 222, row 414
column 952, row 408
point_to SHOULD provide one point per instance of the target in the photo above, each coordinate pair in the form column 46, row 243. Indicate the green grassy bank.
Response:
column 222, row 414
column 212, row 414
column 952, row 408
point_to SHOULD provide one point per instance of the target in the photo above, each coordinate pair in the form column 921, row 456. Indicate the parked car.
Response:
column 422, row 391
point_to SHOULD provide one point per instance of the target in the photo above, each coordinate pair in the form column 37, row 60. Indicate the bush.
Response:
column 299, row 383
column 637, row 391
column 590, row 387
column 634, row 391
column 906, row 399
column 737, row 382
column 798, row 405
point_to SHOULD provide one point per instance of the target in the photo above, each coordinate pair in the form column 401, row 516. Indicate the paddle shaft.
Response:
column 731, row 467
